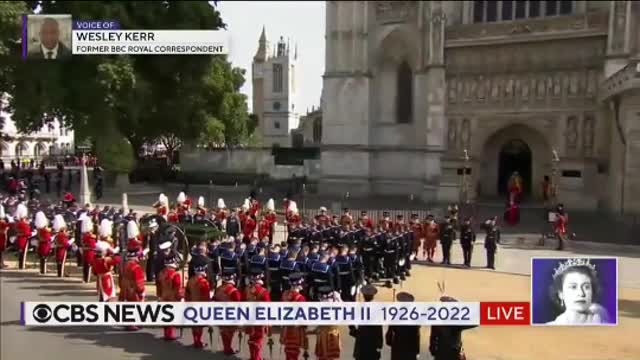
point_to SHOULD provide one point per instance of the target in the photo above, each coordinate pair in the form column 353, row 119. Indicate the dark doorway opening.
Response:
column 515, row 155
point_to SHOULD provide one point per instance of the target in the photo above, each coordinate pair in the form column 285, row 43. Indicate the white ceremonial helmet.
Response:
column 221, row 204
column 247, row 203
column 87, row 224
column 132, row 229
column 201, row 201
column 271, row 205
column 2, row 214
column 21, row 212
column 165, row 245
column 102, row 247
column 293, row 207
column 163, row 200
column 41, row 220
column 322, row 208
column 181, row 197
column 106, row 228
column 58, row 223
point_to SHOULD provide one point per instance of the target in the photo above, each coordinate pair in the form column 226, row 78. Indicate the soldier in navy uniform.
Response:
column 229, row 260
column 321, row 275
column 288, row 266
column 273, row 270
column 358, row 267
column 199, row 257
column 467, row 239
column 447, row 237
column 258, row 260
column 404, row 340
column 368, row 249
column 445, row 341
column 491, row 242
column 233, row 225
column 153, row 238
column 243, row 257
column 390, row 260
column 368, row 338
column 343, row 268
column 213, row 252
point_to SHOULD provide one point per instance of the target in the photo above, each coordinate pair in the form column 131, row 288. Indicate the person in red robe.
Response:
column 201, row 210
column 271, row 218
column 264, row 229
column 365, row 221
column 103, row 266
column 294, row 338
column 256, row 292
column 222, row 214
column 170, row 289
column 322, row 219
column 198, row 289
column 561, row 225
column 132, row 286
column 62, row 243
column 249, row 227
column 4, row 235
column 227, row 292
column 255, row 208
column 162, row 206
column 512, row 216
column 135, row 240
column 89, row 241
column 45, row 240
column 24, row 233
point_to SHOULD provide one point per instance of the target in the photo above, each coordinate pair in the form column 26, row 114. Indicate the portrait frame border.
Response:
column 617, row 308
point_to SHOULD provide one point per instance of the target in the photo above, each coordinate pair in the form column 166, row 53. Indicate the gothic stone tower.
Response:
column 274, row 91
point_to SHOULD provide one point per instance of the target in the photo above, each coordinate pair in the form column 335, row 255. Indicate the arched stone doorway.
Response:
column 517, row 147
column 514, row 156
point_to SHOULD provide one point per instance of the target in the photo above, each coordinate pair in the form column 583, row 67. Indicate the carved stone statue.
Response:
column 508, row 88
column 465, row 134
column 557, row 89
column 572, row 133
column 452, row 89
column 573, row 84
column 437, row 19
column 588, row 129
column 540, row 88
column 495, row 88
column 482, row 88
column 452, row 136
column 525, row 89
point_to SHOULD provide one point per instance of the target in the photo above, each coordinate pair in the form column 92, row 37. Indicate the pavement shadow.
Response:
column 149, row 345
column 69, row 293
column 11, row 323
column 630, row 308
column 55, row 287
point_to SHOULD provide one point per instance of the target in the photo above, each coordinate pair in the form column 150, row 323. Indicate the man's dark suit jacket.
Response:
column 63, row 53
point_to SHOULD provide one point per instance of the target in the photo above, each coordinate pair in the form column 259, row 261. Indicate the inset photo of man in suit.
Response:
column 50, row 37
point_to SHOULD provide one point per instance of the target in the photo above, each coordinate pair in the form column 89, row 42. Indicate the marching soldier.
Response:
column 170, row 289
column 132, row 287
column 365, row 221
column 273, row 270
column 103, row 265
column 62, row 241
column 346, row 219
column 328, row 342
column 369, row 256
column 271, row 218
column 135, row 241
column 321, row 276
column 431, row 231
column 201, row 210
column 152, row 244
column 467, row 239
column 322, row 218
column 345, row 277
column 162, row 206
column 198, row 290
column 491, row 242
column 44, row 240
column 4, row 238
column 368, row 338
column 233, row 224
column 23, row 230
column 221, row 215
column 418, row 235
column 404, row 340
column 390, row 261
column 256, row 292
column 294, row 338
column 445, row 341
column 447, row 237
column 227, row 292
column 89, row 241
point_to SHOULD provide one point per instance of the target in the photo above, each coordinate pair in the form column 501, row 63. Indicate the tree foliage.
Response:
column 146, row 98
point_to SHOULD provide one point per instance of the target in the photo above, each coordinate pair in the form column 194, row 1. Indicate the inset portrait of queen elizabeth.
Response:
column 574, row 291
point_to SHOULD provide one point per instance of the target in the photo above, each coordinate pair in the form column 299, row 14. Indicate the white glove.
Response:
column 71, row 241
column 145, row 252
column 12, row 239
column 116, row 249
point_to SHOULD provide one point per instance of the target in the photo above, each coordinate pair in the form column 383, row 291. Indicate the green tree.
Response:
column 145, row 98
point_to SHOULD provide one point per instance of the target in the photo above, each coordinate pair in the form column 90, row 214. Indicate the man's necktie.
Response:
column 49, row 55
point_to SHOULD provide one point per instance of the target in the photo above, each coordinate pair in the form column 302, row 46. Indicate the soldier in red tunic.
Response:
column 198, row 290
column 264, row 230
column 221, row 214
column 135, row 240
column 365, row 221
column 256, row 292
column 170, row 289
column 162, row 206
column 227, row 292
column 89, row 241
column 346, row 219
column 293, row 219
column 4, row 237
column 132, row 287
column 24, row 232
column 255, row 207
column 201, row 209
column 322, row 219
column 328, row 341
column 62, row 242
column 249, row 227
column 271, row 218
column 103, row 265
column 294, row 338
column 45, row 243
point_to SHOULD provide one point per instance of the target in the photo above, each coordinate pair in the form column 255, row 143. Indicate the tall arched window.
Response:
column 404, row 94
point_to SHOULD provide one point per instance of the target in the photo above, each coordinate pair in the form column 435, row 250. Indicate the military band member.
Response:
column 183, row 205
column 491, row 242
column 368, row 338
column 103, row 265
column 431, row 231
column 445, row 341
column 162, row 206
column 135, row 240
column 256, row 292
column 390, row 260
column 447, row 237
column 271, row 218
column 221, row 215
column 416, row 228
column 170, row 289
column 198, row 289
column 264, row 229
column 404, row 340
column 467, row 239
column 24, row 232
column 227, row 292
column 328, row 342
column 249, row 226
column 343, row 268
column 45, row 243
column 294, row 338
column 322, row 219
column 321, row 276
column 274, row 258
column 132, row 287
column 4, row 235
column 89, row 241
column 385, row 223
column 365, row 221
column 62, row 242
column 346, row 219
